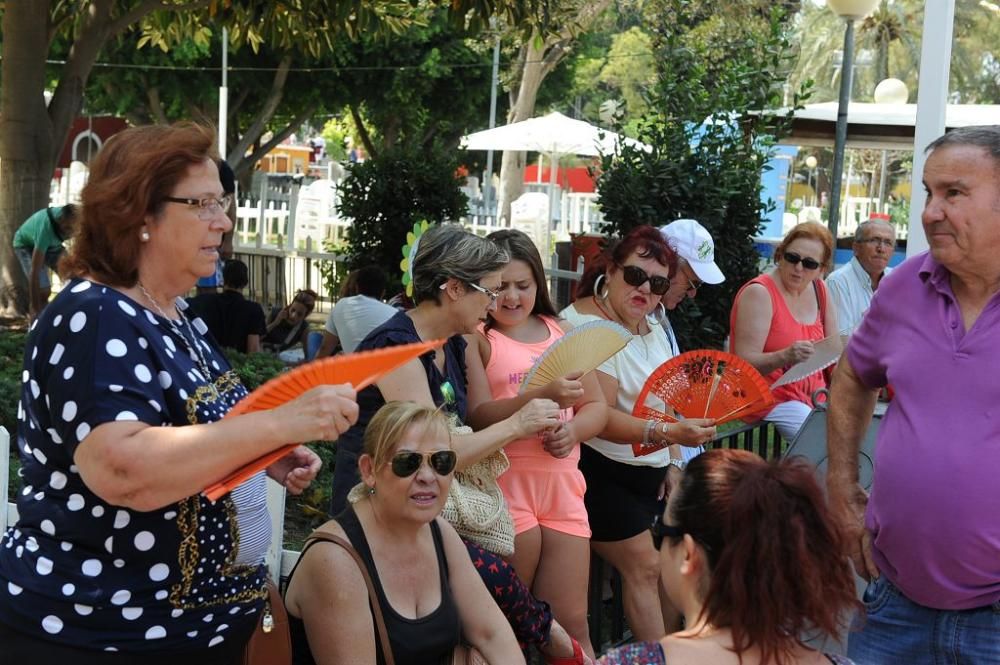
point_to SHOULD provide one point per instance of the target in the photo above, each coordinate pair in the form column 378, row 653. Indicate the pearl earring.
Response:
column 144, row 236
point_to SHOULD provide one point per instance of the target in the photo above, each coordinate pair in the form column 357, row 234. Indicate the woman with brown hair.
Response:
column 117, row 557
column 777, row 318
column 750, row 555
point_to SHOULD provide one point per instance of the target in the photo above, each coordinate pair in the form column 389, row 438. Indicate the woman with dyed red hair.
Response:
column 625, row 490
column 750, row 555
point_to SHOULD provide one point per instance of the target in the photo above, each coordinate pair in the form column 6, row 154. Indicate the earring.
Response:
column 144, row 236
column 658, row 315
column 597, row 287
column 371, row 491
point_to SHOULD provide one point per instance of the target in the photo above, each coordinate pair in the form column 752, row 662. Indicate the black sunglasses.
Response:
column 659, row 531
column 807, row 263
column 407, row 462
column 636, row 276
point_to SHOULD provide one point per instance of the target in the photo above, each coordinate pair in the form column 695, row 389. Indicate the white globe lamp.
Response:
column 852, row 9
column 811, row 161
column 891, row 91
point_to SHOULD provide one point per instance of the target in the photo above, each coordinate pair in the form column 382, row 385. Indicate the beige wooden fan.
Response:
column 582, row 349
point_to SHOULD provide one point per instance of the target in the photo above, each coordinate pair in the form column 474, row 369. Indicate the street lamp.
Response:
column 811, row 165
column 850, row 11
column 888, row 91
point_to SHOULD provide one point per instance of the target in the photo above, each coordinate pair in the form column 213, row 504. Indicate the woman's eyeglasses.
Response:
column 407, row 462
column 807, row 263
column 206, row 208
column 659, row 531
column 636, row 276
column 493, row 295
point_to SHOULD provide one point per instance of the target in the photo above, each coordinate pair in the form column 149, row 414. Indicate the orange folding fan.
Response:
column 359, row 369
column 702, row 384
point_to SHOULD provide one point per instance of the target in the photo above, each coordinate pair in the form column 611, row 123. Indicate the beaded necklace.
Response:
column 191, row 343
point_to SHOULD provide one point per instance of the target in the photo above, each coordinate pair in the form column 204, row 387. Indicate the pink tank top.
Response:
column 784, row 331
column 509, row 362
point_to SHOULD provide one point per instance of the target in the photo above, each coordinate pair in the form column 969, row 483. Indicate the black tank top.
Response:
column 428, row 640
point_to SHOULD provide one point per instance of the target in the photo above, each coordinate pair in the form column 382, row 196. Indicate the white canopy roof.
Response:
column 552, row 134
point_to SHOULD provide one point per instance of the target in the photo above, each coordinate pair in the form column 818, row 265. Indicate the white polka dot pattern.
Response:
column 106, row 570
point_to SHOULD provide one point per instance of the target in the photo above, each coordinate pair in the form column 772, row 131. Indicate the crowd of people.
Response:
column 118, row 557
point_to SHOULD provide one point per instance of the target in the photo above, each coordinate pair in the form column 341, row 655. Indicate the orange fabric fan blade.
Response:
column 359, row 369
column 705, row 384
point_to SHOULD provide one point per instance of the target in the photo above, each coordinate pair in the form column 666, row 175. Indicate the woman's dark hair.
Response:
column 644, row 241
column 519, row 246
column 129, row 180
column 776, row 559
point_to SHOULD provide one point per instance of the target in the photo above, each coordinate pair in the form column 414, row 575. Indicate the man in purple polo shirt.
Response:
column 928, row 537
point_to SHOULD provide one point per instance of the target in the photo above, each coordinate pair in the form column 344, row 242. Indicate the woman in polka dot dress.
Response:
column 117, row 557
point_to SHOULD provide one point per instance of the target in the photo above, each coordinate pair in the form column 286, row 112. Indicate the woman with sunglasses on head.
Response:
column 427, row 588
column 289, row 325
column 778, row 316
column 625, row 491
column 750, row 555
column 543, row 487
column 456, row 277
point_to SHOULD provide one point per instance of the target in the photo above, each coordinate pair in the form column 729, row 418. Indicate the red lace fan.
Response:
column 702, row 384
column 359, row 369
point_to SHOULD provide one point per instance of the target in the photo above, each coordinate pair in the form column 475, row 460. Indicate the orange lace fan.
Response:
column 702, row 384
column 359, row 369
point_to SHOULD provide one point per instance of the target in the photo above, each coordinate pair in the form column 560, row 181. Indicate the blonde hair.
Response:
column 387, row 427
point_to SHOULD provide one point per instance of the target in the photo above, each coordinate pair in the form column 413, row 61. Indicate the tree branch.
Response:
column 278, row 137
column 366, row 138
column 266, row 112
column 156, row 106
column 123, row 22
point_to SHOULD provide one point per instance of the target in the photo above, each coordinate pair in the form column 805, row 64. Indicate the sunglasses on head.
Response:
column 406, row 463
column 807, row 263
column 659, row 531
column 636, row 276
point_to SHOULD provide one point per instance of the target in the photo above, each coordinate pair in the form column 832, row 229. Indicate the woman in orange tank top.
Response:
column 544, row 488
column 777, row 317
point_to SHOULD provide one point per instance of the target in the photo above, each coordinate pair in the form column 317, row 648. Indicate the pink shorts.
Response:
column 538, row 495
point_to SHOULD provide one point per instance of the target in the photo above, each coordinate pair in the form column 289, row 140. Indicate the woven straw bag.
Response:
column 475, row 505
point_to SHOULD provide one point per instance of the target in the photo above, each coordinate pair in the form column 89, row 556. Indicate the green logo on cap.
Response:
column 704, row 250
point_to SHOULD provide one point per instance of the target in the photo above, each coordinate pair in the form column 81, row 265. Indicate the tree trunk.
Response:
column 26, row 139
column 521, row 108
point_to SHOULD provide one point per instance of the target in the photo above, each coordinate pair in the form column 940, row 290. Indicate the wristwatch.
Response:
column 679, row 463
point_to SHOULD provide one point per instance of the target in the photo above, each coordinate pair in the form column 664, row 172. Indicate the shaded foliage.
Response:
column 709, row 148
column 384, row 196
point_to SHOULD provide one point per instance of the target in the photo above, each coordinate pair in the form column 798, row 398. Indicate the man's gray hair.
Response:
column 859, row 233
column 449, row 251
column 981, row 136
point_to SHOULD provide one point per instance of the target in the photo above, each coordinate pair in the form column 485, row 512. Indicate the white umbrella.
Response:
column 554, row 135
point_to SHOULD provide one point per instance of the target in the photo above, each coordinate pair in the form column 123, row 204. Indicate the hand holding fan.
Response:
column 703, row 384
column 359, row 369
column 581, row 349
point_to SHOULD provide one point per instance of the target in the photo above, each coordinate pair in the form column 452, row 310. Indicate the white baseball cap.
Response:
column 694, row 244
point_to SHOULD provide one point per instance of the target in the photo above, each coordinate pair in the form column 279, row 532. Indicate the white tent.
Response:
column 553, row 135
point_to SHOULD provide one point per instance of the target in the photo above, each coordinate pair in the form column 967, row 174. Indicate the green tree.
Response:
column 709, row 149
column 32, row 133
column 386, row 195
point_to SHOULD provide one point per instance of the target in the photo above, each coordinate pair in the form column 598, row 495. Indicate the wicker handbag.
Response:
column 475, row 505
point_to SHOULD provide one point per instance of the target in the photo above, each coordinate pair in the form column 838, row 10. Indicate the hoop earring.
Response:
column 597, row 287
column 658, row 315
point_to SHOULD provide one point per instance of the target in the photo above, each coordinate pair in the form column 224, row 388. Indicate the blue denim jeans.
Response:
column 898, row 631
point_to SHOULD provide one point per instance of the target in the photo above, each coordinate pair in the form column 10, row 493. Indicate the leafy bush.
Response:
column 709, row 151
column 384, row 196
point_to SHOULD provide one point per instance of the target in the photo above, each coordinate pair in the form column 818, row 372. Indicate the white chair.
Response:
column 9, row 511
